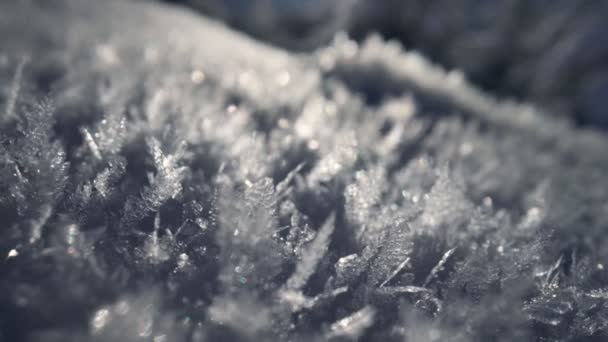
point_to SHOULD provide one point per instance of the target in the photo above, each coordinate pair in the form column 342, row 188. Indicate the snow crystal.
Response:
column 354, row 325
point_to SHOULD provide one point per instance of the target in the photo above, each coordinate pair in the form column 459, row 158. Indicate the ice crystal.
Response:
column 312, row 254
column 14, row 89
column 362, row 195
column 354, row 325
column 167, row 180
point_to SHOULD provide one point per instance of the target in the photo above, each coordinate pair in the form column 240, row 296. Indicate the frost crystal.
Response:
column 167, row 180
column 439, row 267
column 354, row 325
column 14, row 89
column 312, row 254
column 363, row 195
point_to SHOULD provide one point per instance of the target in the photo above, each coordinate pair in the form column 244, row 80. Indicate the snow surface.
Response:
column 551, row 52
column 166, row 179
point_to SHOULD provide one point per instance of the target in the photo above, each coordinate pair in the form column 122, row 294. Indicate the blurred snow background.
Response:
column 551, row 52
